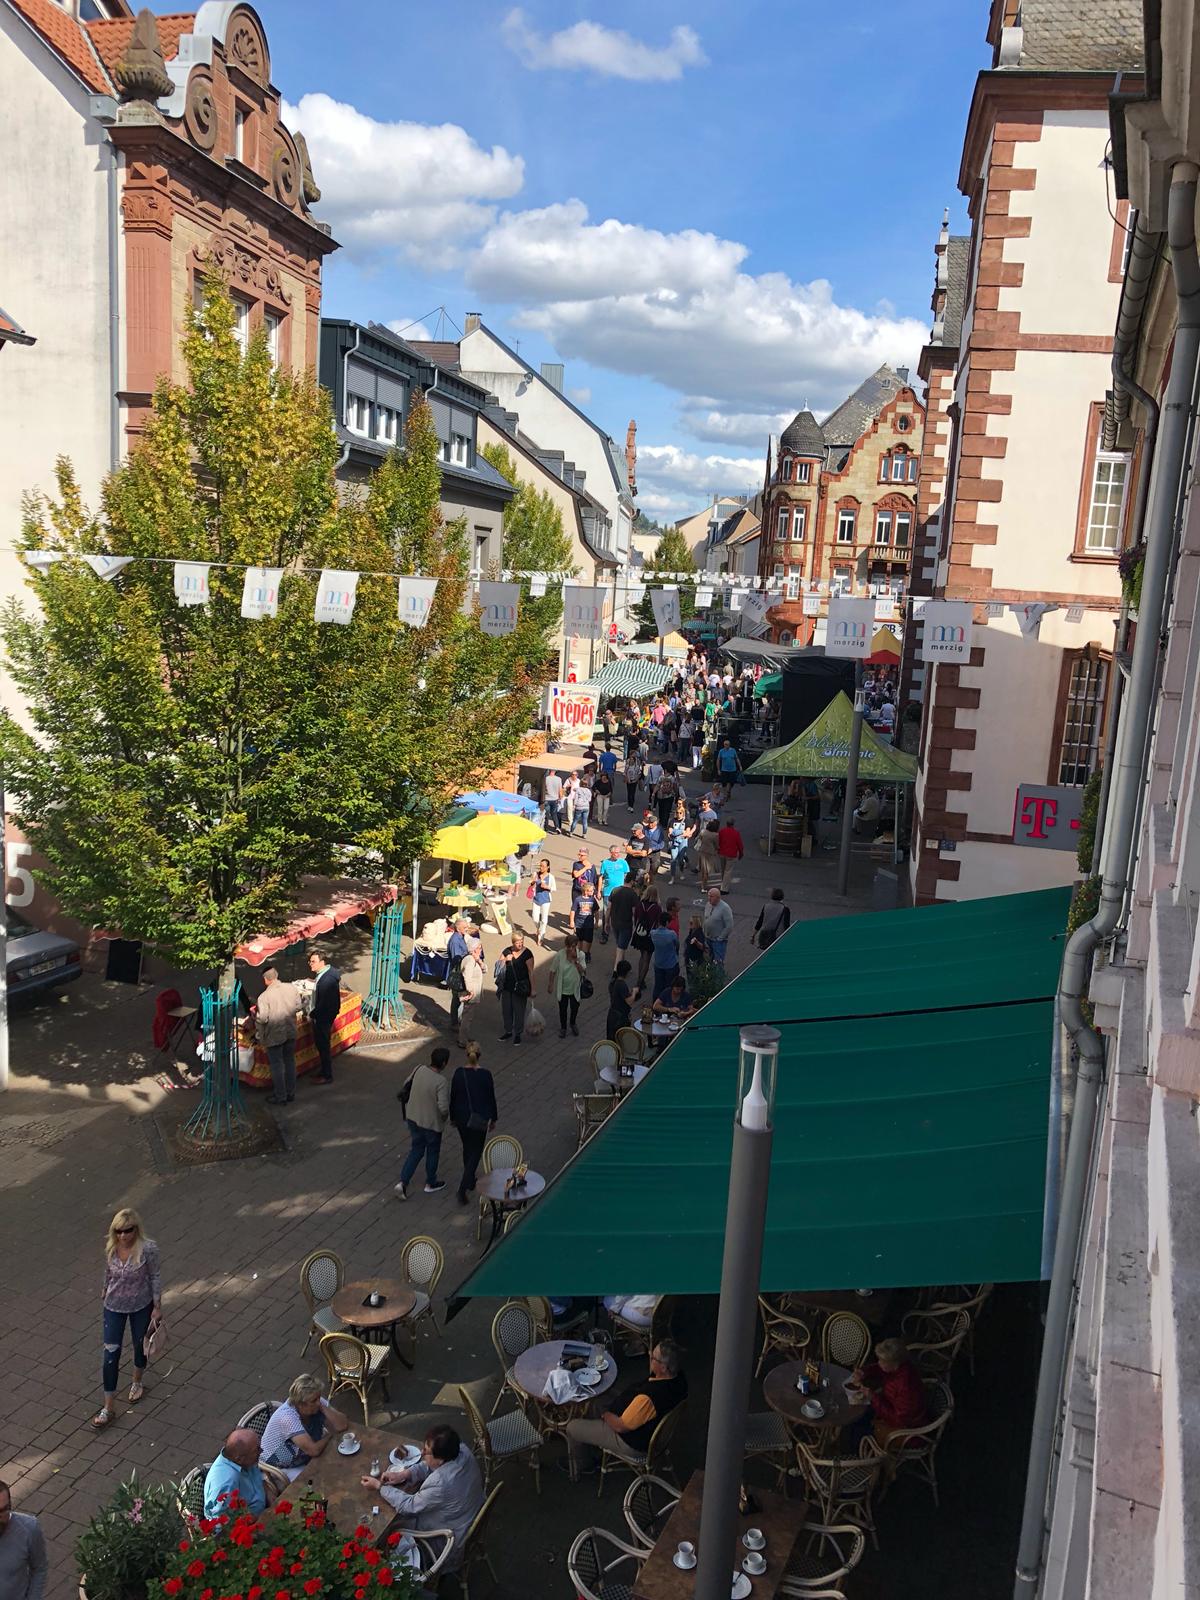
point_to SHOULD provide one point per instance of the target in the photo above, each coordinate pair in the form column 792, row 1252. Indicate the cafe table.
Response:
column 337, row 1480
column 782, row 1395
column 397, row 1301
column 623, row 1081
column 779, row 1520
column 532, row 1368
column 489, row 1186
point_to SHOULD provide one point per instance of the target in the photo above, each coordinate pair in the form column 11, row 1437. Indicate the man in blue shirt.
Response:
column 613, row 872
column 236, row 1471
column 607, row 761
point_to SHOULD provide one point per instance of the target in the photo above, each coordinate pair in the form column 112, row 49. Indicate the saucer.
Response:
column 684, row 1563
column 754, row 1572
column 587, row 1377
column 813, row 1408
column 352, row 1451
column 741, row 1586
column 754, row 1544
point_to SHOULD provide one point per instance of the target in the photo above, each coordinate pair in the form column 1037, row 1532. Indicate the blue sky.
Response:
column 711, row 214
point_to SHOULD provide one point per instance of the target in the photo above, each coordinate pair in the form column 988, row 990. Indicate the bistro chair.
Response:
column 604, row 1053
column 767, row 1435
column 633, row 1045
column 258, row 1416
column 474, row 1550
column 968, row 1297
column 421, row 1264
column 190, row 1493
column 603, row 1567
column 915, row 1449
column 549, row 1326
column 641, row 1336
column 649, row 1502
column 935, row 1357
column 845, row 1339
column 513, row 1332
column 783, row 1335
column 844, row 1486
column 822, row 1555
column 501, row 1150
column 435, row 1545
column 351, row 1364
column 501, row 1438
column 657, row 1455
column 321, row 1276
column 591, row 1110
column 274, row 1478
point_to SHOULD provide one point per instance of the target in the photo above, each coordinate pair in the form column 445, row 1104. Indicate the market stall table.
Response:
column 336, row 1479
column 839, row 1411
column 490, row 1186
column 346, row 1032
column 780, row 1521
column 533, row 1366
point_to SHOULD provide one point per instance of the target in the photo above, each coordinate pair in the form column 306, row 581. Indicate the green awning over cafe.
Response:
column 911, row 1119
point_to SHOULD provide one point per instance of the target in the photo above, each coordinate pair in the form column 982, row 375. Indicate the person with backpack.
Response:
column 633, row 777
column 774, row 918
column 666, row 792
column 426, row 1102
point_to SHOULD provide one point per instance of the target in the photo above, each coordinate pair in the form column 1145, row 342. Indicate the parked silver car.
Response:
column 36, row 961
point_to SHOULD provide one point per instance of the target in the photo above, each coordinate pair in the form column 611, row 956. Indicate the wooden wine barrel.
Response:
column 789, row 833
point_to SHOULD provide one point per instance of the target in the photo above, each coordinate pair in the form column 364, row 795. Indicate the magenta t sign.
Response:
column 1047, row 817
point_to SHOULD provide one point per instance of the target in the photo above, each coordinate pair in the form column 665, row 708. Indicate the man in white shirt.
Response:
column 444, row 1489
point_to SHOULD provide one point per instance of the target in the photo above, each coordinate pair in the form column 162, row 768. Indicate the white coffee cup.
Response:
column 685, row 1549
column 755, row 1562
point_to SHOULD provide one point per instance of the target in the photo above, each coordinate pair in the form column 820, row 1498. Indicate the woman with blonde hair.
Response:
column 133, row 1294
column 301, row 1427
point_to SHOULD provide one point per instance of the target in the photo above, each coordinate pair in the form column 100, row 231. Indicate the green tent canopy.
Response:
column 911, row 1119
column 823, row 751
column 769, row 683
column 632, row 677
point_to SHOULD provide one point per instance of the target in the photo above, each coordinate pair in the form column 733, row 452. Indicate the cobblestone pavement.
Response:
column 80, row 1135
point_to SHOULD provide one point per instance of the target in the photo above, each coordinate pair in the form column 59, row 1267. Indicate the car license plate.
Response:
column 45, row 966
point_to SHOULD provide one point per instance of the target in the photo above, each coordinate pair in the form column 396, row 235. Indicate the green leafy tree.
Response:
column 187, row 767
column 534, row 541
column 672, row 555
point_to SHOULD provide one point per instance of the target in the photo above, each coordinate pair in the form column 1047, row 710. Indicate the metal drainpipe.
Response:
column 1169, row 466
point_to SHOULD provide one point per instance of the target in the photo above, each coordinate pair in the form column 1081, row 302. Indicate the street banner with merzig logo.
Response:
column 667, row 615
column 260, row 592
column 336, row 593
column 191, row 583
column 415, row 600
column 946, row 635
column 498, row 608
column 850, row 628
column 583, row 611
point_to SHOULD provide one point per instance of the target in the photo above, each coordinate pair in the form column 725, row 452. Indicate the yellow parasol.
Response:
column 485, row 838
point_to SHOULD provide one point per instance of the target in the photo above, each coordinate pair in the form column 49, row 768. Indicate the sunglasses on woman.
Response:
column 124, row 1230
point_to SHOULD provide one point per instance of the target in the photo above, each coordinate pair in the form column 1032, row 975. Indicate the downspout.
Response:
column 346, row 354
column 114, row 306
column 1123, row 805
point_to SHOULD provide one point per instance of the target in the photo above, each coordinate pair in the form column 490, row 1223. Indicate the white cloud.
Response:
column 409, row 330
column 609, row 52
column 580, row 396
column 679, row 309
column 675, row 480
column 421, row 190
column 733, row 427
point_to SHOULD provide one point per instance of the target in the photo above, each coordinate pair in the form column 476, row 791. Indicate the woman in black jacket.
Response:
column 473, row 1112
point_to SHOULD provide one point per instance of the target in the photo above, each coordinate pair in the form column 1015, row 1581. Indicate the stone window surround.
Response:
column 1091, row 451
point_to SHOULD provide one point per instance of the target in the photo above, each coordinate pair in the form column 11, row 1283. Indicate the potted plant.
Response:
column 123, row 1551
column 705, row 980
column 290, row 1550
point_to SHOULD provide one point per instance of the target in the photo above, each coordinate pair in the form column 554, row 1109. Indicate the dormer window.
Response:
column 785, row 470
column 803, row 471
column 898, row 466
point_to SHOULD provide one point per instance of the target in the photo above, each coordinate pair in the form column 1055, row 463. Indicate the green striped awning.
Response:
column 631, row 676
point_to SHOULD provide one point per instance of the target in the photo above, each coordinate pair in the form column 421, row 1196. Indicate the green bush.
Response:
column 125, row 1548
column 1087, row 821
column 705, row 980
column 1085, row 903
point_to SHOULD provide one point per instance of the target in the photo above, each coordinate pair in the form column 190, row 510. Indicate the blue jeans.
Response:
column 425, row 1142
column 582, row 818
column 664, row 977
column 717, row 949
column 553, row 817
column 114, row 1338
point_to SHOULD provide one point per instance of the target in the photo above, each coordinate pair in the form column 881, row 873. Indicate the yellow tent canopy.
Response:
column 485, row 838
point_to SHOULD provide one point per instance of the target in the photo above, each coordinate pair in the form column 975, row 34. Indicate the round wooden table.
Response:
column 490, row 1186
column 781, row 1394
column 399, row 1301
column 533, row 1366
column 622, row 1081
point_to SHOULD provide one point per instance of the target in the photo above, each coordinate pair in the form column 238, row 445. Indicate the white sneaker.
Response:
column 401, row 1190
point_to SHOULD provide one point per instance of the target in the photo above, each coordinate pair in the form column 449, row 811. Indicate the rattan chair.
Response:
column 844, row 1486
column 604, row 1053
column 548, row 1326
column 935, row 1357
column 591, row 1112
column 846, row 1339
column 822, row 1554
column 274, row 1477
column 502, row 1438
column 783, row 1335
column 632, row 1045
column 351, row 1364
column 767, row 1435
column 649, row 1501
column 603, row 1567
column 501, row 1150
column 474, row 1550
column 321, row 1276
column 657, row 1456
column 946, row 1303
column 513, row 1332
column 435, row 1545
column 190, row 1491
column 915, row 1449
column 258, row 1416
column 637, row 1336
column 421, row 1265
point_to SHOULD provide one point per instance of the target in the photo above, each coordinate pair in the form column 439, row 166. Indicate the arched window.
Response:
column 898, row 466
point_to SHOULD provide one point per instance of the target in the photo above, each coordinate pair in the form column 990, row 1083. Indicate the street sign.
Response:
column 1047, row 816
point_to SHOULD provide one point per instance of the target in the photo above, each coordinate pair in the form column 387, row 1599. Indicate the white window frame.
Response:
column 273, row 327
column 804, row 472
column 900, row 466
column 913, row 464
column 777, row 572
column 358, row 415
column 1107, row 459
column 905, row 517
column 385, row 424
column 781, row 525
column 883, row 525
column 847, row 519
column 791, row 588
column 241, row 323
column 786, row 636
column 799, row 523
column 786, row 469
column 239, row 134
column 841, row 580
column 885, row 468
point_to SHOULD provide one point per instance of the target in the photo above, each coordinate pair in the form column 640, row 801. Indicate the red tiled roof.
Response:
column 112, row 36
column 13, row 330
column 66, row 36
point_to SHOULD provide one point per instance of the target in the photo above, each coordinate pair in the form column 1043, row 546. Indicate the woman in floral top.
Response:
column 133, row 1294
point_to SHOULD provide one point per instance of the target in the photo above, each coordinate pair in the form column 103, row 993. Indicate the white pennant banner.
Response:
column 260, row 592
column 812, row 604
column 107, row 567
column 336, row 594
column 667, row 613
column 947, row 631
column 583, row 611
column 498, row 608
column 885, row 607
column 851, row 623
column 537, row 586
column 754, row 612
column 191, row 582
column 42, row 559
column 416, row 600
column 1029, row 616
column 995, row 608
column 703, row 598
column 1075, row 613
column 918, row 608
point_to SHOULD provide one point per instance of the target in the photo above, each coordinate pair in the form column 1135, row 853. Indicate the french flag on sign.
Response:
column 336, row 594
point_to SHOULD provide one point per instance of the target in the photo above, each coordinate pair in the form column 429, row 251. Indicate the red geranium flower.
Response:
column 184, row 1545
column 371, row 1557
column 282, row 1507
column 384, row 1576
column 283, row 1594
column 195, row 1569
column 395, row 1538
column 253, row 1592
column 173, row 1585
column 312, row 1586
column 206, row 1594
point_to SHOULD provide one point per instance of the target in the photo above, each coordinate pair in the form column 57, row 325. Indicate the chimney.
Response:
column 471, row 322
column 902, row 374
column 552, row 372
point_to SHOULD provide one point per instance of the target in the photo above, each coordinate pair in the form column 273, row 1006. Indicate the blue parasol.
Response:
column 499, row 800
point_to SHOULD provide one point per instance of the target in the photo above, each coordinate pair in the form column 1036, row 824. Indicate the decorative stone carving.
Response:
column 285, row 175
column 147, row 210
column 239, row 265
column 246, row 47
column 200, row 109
column 312, row 297
column 308, row 183
column 141, row 71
